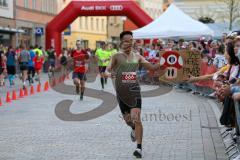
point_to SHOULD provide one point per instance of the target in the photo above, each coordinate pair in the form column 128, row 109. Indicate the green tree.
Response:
column 233, row 12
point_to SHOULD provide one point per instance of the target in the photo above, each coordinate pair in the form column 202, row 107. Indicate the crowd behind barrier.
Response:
column 219, row 76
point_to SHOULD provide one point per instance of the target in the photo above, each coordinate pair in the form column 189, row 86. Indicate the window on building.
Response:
column 81, row 22
column 46, row 6
column 33, row 4
column 103, row 26
column 27, row 31
column 115, row 20
column 49, row 6
column 43, row 5
column 97, row 24
column 86, row 23
column 26, row 3
column 85, row 44
column 54, row 6
column 4, row 3
column 92, row 23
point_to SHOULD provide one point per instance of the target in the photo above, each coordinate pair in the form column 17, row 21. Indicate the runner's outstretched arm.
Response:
column 147, row 65
column 153, row 67
column 206, row 77
column 112, row 64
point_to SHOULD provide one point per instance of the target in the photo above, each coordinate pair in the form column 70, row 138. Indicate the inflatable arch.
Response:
column 76, row 8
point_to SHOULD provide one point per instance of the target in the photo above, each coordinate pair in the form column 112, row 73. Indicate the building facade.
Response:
column 7, row 23
column 213, row 9
column 152, row 7
column 114, row 28
column 91, row 30
column 31, row 17
column 166, row 4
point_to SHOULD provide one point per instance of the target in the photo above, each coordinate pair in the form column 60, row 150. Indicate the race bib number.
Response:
column 80, row 64
column 129, row 77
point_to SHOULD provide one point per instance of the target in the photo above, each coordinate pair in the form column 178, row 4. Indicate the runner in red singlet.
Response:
column 80, row 58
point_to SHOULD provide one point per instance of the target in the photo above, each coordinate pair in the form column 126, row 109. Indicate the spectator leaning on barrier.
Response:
column 234, row 89
column 231, row 59
column 225, row 78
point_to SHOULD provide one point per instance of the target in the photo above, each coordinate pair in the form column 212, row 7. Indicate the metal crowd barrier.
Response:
column 231, row 137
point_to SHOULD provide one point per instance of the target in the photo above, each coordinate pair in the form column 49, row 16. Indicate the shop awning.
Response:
column 11, row 30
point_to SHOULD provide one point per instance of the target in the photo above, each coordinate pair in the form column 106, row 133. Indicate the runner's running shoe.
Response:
column 138, row 153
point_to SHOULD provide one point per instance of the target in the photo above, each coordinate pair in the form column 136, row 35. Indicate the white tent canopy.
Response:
column 173, row 23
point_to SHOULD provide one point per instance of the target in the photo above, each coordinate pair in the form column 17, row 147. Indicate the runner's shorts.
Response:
column 51, row 62
column 11, row 70
column 81, row 76
column 23, row 66
column 129, row 98
column 102, row 69
column 31, row 69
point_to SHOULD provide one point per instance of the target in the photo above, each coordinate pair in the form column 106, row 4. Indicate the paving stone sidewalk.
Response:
column 177, row 126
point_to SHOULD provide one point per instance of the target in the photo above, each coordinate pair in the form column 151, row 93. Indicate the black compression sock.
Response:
column 102, row 82
column 105, row 80
column 139, row 146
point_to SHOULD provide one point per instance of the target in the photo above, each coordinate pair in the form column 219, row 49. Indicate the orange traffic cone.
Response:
column 1, row 102
column 21, row 93
column 32, row 90
column 14, row 95
column 39, row 88
column 8, row 98
column 25, row 92
column 46, row 86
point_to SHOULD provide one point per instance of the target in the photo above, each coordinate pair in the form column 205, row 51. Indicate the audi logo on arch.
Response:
column 116, row 8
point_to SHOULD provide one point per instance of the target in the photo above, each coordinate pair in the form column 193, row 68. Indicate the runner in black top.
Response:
column 63, row 58
column 51, row 61
column 124, row 66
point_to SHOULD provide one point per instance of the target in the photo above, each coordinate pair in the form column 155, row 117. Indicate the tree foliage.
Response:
column 233, row 11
